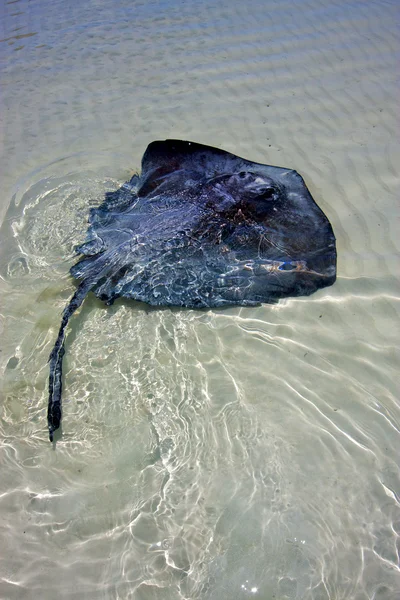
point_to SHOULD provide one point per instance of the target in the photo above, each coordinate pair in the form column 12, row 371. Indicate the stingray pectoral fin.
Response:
column 54, row 410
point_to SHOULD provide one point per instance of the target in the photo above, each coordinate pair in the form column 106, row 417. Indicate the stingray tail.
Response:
column 55, row 384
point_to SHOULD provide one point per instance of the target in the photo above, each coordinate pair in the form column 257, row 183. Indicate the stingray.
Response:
column 199, row 228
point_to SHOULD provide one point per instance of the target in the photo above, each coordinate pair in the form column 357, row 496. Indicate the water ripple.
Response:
column 212, row 454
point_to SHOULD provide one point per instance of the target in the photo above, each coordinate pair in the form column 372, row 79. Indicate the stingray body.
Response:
column 200, row 228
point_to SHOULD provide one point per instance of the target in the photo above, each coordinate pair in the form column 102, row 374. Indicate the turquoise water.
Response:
column 213, row 455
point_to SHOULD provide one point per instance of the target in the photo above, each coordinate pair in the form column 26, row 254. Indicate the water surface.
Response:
column 213, row 455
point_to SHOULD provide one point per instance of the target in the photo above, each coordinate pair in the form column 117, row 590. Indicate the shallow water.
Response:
column 213, row 455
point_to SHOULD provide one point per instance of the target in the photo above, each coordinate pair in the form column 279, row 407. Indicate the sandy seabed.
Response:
column 214, row 455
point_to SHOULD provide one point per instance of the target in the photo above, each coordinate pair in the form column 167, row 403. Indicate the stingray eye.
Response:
column 287, row 266
column 267, row 194
column 242, row 174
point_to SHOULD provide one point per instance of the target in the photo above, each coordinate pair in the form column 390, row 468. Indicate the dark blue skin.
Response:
column 200, row 228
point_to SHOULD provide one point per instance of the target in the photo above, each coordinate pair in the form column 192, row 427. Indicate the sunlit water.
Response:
column 206, row 455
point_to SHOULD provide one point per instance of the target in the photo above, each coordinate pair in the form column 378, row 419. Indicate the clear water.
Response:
column 213, row 455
